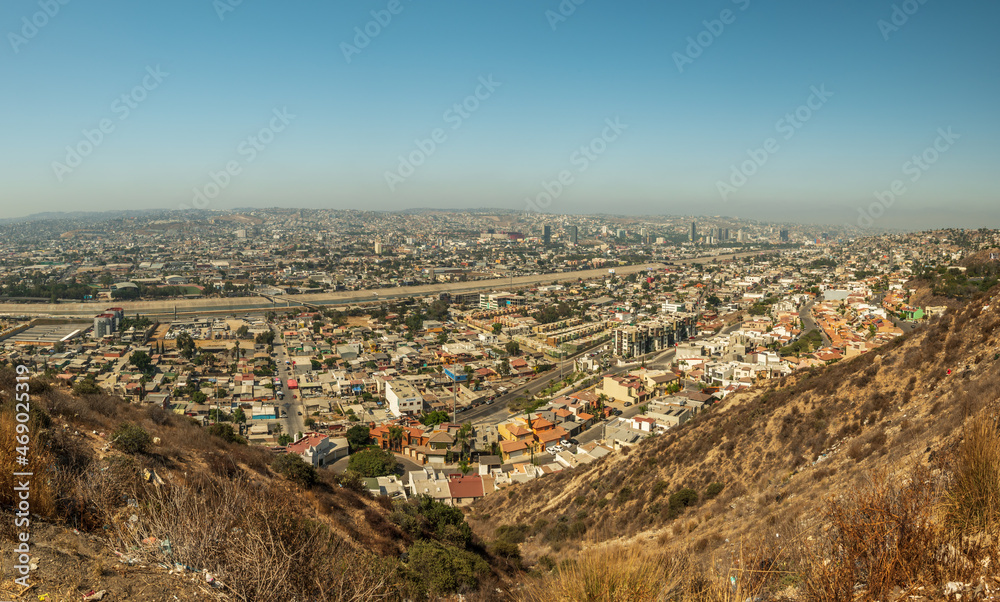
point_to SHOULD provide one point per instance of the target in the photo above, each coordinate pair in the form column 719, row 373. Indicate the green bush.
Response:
column 506, row 549
column 372, row 462
column 226, row 432
column 295, row 469
column 131, row 438
column 512, row 533
column 713, row 490
column 437, row 570
column 681, row 500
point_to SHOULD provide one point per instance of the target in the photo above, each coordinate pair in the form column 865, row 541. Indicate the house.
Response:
column 512, row 451
column 465, row 489
column 318, row 449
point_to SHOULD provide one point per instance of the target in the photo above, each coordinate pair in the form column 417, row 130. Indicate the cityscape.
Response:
column 556, row 301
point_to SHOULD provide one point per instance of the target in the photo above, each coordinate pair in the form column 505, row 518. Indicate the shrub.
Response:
column 372, row 463
column 226, row 433
column 681, row 500
column 131, row 438
column 882, row 537
column 512, row 533
column 713, row 490
column 435, row 569
column 295, row 469
column 506, row 549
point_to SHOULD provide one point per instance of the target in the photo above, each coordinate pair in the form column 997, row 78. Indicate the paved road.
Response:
column 292, row 423
column 809, row 323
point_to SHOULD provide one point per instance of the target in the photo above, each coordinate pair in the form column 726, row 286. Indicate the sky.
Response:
column 853, row 112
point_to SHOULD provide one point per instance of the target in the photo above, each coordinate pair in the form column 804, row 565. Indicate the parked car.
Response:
column 628, row 404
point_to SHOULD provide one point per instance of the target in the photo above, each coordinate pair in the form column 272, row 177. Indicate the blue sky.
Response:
column 558, row 81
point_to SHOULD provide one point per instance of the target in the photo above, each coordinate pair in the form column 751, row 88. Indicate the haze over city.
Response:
column 741, row 108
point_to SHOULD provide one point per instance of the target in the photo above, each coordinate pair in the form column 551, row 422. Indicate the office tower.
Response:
column 547, row 234
column 573, row 232
column 783, row 235
column 694, row 232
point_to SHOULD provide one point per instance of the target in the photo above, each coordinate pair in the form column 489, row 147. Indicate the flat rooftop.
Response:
column 49, row 334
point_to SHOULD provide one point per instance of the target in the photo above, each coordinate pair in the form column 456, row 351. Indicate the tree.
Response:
column 396, row 438
column 465, row 467
column 239, row 416
column 86, row 386
column 435, row 418
column 372, row 462
column 358, row 437
column 464, row 438
column 198, row 397
column 504, row 368
column 242, row 331
column 295, row 469
column 513, row 348
column 141, row 360
column 186, row 345
column 310, row 422
column 497, row 327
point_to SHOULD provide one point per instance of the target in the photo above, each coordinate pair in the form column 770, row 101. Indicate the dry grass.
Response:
column 610, row 574
column 972, row 503
column 882, row 537
column 638, row 574
column 255, row 538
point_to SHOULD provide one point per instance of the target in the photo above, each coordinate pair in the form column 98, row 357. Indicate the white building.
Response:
column 403, row 398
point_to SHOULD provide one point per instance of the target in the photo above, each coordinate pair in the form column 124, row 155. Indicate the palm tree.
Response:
column 464, row 438
column 396, row 438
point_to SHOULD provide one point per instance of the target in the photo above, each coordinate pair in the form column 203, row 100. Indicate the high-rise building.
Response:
column 783, row 235
column 573, row 232
column 547, row 234
column 378, row 248
column 694, row 232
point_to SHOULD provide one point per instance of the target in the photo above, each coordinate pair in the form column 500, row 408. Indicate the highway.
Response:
column 164, row 309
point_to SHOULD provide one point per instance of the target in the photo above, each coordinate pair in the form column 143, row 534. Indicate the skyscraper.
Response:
column 694, row 232
column 573, row 232
column 783, row 235
column 547, row 234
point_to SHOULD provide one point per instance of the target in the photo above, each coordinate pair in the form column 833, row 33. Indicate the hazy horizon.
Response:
column 633, row 108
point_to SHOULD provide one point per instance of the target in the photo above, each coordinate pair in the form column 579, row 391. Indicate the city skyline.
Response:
column 877, row 116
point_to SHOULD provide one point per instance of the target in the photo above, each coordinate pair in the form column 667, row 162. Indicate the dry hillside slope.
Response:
column 764, row 465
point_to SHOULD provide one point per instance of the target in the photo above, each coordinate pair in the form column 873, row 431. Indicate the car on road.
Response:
column 628, row 404
column 617, row 412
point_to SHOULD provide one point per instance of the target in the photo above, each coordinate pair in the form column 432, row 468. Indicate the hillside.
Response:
column 146, row 505
column 781, row 468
